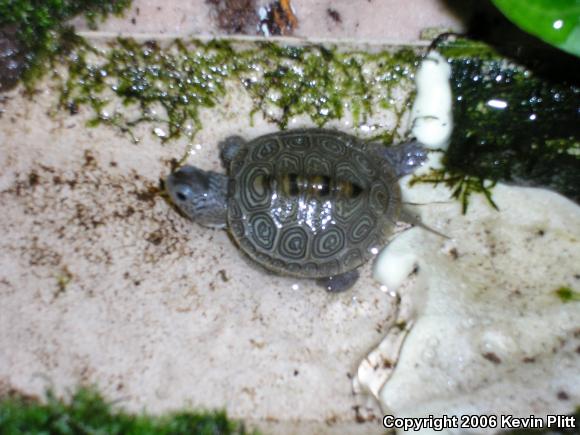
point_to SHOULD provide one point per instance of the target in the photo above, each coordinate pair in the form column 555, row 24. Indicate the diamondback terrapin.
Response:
column 308, row 203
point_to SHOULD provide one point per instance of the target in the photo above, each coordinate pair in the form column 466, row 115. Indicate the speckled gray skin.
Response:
column 308, row 203
column 201, row 195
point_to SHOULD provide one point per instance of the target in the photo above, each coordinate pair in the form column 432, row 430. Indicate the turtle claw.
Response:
column 339, row 283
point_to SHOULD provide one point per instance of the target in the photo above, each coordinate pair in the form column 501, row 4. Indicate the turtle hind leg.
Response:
column 405, row 157
column 229, row 147
column 339, row 283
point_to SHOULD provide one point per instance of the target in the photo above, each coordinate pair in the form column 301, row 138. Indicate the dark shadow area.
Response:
column 486, row 23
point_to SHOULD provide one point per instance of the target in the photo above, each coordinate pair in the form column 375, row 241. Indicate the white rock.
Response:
column 431, row 117
column 489, row 333
column 392, row 267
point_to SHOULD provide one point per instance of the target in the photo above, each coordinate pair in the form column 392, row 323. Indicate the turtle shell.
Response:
column 311, row 203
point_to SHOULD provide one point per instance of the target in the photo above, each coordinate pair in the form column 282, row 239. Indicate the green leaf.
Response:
column 557, row 22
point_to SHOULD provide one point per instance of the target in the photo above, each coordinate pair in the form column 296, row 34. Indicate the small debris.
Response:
column 453, row 253
column 73, row 107
column 363, row 415
column 334, row 15
column 257, row 344
column 562, row 395
column 332, row 420
column 33, row 179
column 155, row 238
column 148, row 195
column 235, row 16
column 63, row 280
column 222, row 274
column 90, row 161
column 277, row 19
column 492, row 357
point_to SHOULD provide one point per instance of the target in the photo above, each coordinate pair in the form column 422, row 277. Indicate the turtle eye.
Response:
column 183, row 193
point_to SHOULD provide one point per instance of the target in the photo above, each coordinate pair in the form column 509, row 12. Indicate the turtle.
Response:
column 307, row 203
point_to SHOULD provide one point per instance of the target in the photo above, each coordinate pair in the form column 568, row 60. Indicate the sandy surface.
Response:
column 103, row 283
column 377, row 20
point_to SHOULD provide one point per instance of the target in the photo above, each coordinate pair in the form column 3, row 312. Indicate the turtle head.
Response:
column 200, row 195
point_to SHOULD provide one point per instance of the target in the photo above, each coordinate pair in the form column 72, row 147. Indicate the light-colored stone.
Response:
column 489, row 335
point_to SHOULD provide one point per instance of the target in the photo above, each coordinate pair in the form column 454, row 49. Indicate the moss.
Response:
column 169, row 86
column 88, row 413
column 528, row 138
column 41, row 29
column 462, row 185
column 511, row 125
column 323, row 83
column 566, row 294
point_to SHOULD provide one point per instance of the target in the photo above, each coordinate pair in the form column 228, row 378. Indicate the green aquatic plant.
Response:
column 324, row 83
column 87, row 412
column 511, row 125
column 462, row 185
column 41, row 27
column 168, row 86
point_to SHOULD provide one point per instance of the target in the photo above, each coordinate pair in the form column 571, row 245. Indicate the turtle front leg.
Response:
column 339, row 283
column 229, row 148
column 405, row 157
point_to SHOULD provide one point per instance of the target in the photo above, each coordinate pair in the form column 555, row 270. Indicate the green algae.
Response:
column 168, row 86
column 511, row 125
column 87, row 412
column 323, row 83
column 566, row 294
